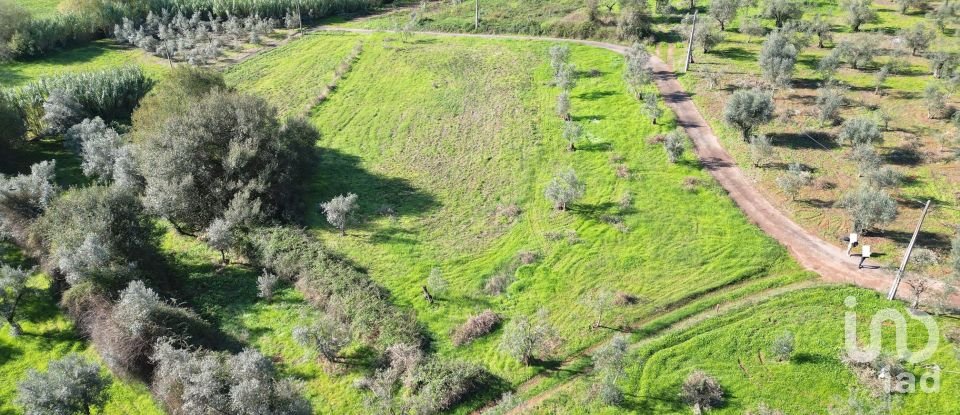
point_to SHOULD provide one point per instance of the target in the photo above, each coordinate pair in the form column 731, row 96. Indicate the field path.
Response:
column 815, row 254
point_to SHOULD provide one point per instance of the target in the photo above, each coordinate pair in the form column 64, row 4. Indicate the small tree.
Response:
column 566, row 79
column 860, row 130
column 525, row 338
column 866, row 157
column 936, row 101
column 597, row 302
column 859, row 12
column 70, row 385
column 782, row 347
column 858, row 51
column 868, row 208
column 778, row 55
column 339, row 211
column 634, row 21
column 13, row 288
column 782, row 11
column 565, row 189
column 748, row 109
column 674, row 144
column 918, row 37
column 761, row 150
column 563, row 105
column 707, row 36
column 879, row 78
column 905, row 5
column 220, row 236
column 651, row 107
column 61, row 111
column 572, row 132
column 828, row 65
column 829, row 102
column 724, row 11
column 637, row 73
column 795, row 179
column 559, row 57
column 883, row 177
column 822, row 28
column 609, row 364
column 702, row 392
column 266, row 284
column 436, row 283
column 326, row 336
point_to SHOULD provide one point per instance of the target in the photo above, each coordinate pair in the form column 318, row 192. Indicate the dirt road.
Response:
column 815, row 254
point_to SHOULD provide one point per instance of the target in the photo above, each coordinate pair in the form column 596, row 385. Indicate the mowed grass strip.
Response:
column 437, row 135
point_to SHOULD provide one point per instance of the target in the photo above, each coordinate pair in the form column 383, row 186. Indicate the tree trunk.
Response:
column 426, row 295
column 820, row 42
column 723, row 27
column 572, row 147
column 223, row 257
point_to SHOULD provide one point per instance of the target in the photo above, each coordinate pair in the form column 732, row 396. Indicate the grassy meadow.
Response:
column 97, row 55
column 729, row 347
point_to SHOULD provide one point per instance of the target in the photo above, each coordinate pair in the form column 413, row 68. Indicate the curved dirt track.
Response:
column 815, row 254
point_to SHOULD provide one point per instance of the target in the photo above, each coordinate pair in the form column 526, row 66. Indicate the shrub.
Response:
column 866, row 157
column 633, row 22
column 782, row 347
column 559, row 56
column 936, row 102
column 497, row 284
column 200, row 381
column 436, row 283
column 572, row 132
column 60, row 111
column 883, row 177
column 438, row 385
column 475, row 327
column 98, row 145
column 609, row 363
column 868, row 208
column 829, row 101
column 70, row 385
column 326, row 337
column 675, row 144
column 701, row 391
column 761, row 151
column 220, row 236
column 860, row 130
column 748, row 109
column 266, row 283
column 794, row 180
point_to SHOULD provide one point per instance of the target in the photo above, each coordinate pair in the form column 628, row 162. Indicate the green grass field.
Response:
column 442, row 132
column 40, row 8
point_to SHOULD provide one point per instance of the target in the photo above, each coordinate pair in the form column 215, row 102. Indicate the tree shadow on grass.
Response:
column 810, row 358
column 926, row 239
column 803, row 140
column 339, row 173
column 8, row 354
column 736, row 53
column 595, row 95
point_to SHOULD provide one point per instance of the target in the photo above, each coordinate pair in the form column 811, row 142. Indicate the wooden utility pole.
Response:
column 906, row 257
column 476, row 20
column 300, row 17
column 693, row 31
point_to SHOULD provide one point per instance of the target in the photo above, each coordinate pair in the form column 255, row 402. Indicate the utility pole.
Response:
column 476, row 20
column 906, row 257
column 300, row 16
column 693, row 31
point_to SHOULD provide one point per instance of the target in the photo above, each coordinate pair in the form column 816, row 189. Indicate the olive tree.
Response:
column 858, row 51
column 905, row 5
column 822, row 28
column 634, row 20
column 752, row 27
column 651, row 107
column 571, row 133
column 70, row 385
column 609, row 366
column 724, row 11
column 883, row 177
column 748, row 109
column 778, row 55
column 859, row 12
column 565, row 189
column 761, row 150
column 13, row 288
column 436, row 283
column 26, row 197
column 860, row 130
column 701, row 391
column 226, row 155
column 936, row 101
column 637, row 73
column 559, row 56
column 829, row 101
column 918, row 37
column 526, row 337
column 327, row 337
column 220, row 236
column 794, row 180
column 61, row 110
column 98, row 145
column 340, row 210
column 782, row 11
column 829, row 64
column 208, row 383
column 868, row 208
column 563, row 105
column 675, row 144
column 266, row 284
column 866, row 157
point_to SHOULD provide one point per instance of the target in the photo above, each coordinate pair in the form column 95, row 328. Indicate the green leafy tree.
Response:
column 761, row 150
column 918, row 37
column 651, row 107
column 13, row 289
column 528, row 337
column 782, row 11
column 858, row 51
column 752, row 27
column 860, row 130
column 724, row 11
column 675, row 144
column 936, row 101
column 829, row 102
column 748, row 109
column 609, row 363
column 571, row 133
column 794, row 180
column 822, row 28
column 905, row 5
column 868, row 208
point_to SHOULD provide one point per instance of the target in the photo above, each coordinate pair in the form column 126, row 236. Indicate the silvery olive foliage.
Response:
column 25, row 197
column 69, row 386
